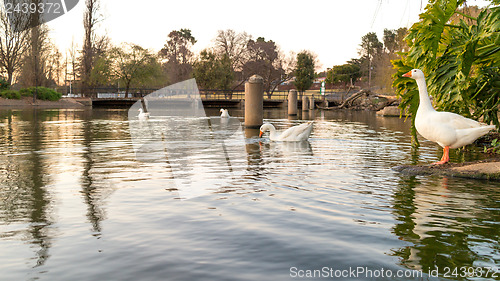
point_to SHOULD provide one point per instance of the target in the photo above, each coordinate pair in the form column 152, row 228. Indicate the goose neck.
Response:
column 425, row 101
column 272, row 131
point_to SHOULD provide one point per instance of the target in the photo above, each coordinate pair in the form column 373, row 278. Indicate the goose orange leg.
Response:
column 446, row 156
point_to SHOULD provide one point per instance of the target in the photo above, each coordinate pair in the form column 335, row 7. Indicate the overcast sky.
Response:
column 330, row 28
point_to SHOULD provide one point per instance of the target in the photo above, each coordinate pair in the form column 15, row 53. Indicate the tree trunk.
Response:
column 351, row 99
column 89, row 22
column 10, row 74
column 127, row 88
column 35, row 54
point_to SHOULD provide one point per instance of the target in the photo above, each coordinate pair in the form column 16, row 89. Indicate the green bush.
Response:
column 4, row 85
column 10, row 94
column 25, row 92
column 42, row 93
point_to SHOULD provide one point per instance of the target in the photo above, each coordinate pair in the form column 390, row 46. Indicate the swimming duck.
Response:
column 295, row 133
column 447, row 129
column 224, row 113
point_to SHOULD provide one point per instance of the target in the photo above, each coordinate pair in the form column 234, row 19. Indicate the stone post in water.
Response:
column 305, row 103
column 254, row 102
column 311, row 103
column 292, row 102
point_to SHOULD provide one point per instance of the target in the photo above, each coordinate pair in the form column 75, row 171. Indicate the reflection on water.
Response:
column 77, row 203
column 24, row 179
column 449, row 223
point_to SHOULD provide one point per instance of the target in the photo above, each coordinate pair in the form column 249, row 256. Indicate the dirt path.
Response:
column 27, row 102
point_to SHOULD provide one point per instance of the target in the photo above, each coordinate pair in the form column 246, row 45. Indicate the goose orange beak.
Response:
column 260, row 134
column 408, row 74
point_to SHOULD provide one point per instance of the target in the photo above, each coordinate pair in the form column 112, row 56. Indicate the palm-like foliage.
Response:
column 461, row 61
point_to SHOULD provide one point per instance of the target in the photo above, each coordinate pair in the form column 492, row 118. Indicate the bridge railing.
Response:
column 134, row 93
column 221, row 94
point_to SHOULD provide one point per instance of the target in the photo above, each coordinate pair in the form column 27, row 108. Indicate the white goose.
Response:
column 224, row 113
column 295, row 133
column 447, row 129
column 143, row 115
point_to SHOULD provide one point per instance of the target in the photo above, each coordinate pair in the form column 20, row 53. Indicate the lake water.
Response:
column 79, row 202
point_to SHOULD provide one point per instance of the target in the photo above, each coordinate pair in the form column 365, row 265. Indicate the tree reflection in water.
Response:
column 34, row 150
column 24, row 184
column 446, row 223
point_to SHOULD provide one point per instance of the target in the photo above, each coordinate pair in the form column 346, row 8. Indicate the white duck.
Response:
column 447, row 129
column 224, row 113
column 143, row 115
column 295, row 133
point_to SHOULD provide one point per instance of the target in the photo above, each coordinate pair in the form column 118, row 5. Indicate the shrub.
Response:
column 42, row 93
column 25, row 92
column 10, row 94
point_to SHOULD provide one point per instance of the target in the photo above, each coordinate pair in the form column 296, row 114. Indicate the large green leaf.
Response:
column 461, row 62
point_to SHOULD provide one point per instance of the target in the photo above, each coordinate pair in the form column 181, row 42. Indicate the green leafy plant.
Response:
column 494, row 147
column 461, row 62
column 42, row 93
column 4, row 85
column 10, row 94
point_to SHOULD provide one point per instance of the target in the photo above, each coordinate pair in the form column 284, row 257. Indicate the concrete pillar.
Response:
column 292, row 102
column 305, row 103
column 311, row 103
column 251, row 132
column 254, row 102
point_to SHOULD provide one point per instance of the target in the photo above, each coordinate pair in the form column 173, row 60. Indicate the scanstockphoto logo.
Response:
column 25, row 14
column 183, row 149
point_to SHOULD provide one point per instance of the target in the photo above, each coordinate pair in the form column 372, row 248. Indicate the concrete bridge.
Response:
column 218, row 103
column 209, row 98
column 207, row 102
column 107, row 97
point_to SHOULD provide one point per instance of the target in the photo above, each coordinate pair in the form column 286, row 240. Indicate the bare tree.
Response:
column 34, row 66
column 102, row 45
column 38, row 60
column 13, row 44
column 53, row 66
column 234, row 46
column 91, row 18
column 73, row 61
column 38, row 36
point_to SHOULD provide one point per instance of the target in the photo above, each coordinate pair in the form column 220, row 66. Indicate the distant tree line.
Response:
column 29, row 58
column 373, row 66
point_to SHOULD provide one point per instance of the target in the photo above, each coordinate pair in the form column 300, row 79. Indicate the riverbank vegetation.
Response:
column 10, row 94
column 41, row 93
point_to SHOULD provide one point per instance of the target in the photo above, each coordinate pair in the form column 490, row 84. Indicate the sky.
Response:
column 332, row 29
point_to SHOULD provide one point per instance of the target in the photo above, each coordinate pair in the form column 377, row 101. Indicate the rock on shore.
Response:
column 485, row 169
